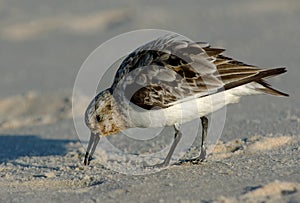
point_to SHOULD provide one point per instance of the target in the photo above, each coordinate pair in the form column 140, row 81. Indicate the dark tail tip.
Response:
column 270, row 73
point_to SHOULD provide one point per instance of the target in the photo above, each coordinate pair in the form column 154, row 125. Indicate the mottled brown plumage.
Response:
column 178, row 69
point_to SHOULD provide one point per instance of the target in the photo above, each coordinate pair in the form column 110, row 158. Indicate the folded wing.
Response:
column 170, row 70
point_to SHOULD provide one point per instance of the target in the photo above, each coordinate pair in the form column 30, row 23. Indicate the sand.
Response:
column 42, row 49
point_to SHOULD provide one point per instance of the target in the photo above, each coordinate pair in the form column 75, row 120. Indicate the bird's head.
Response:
column 102, row 115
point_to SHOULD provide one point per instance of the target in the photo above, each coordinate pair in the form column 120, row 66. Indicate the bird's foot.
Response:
column 200, row 159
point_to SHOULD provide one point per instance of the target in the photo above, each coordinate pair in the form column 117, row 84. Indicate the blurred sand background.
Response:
column 42, row 47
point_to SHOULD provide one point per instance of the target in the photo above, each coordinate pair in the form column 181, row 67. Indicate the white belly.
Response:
column 189, row 110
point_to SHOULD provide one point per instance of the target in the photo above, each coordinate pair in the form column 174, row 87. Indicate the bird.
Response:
column 170, row 81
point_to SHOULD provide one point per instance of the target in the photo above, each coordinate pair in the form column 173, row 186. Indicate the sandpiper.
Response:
column 170, row 81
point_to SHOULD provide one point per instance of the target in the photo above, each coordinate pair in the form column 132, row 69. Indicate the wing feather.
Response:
column 169, row 70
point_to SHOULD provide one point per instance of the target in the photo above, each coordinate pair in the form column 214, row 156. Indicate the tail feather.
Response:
column 234, row 73
column 267, row 87
column 266, row 73
column 258, row 77
column 269, row 90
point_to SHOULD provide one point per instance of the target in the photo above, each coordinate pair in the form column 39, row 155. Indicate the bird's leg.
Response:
column 94, row 139
column 204, row 122
column 202, row 156
column 177, row 138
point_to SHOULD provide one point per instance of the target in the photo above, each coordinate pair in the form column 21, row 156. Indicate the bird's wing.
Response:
column 169, row 70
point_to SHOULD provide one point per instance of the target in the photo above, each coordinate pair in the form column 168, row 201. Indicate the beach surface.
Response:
column 42, row 47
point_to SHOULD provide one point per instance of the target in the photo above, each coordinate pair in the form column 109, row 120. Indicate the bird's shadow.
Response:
column 13, row 147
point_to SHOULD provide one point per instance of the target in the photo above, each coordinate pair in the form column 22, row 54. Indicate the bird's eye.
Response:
column 98, row 118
